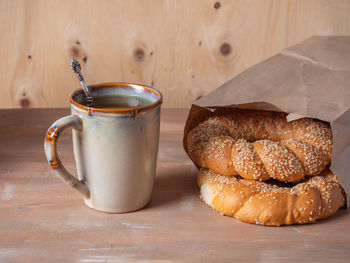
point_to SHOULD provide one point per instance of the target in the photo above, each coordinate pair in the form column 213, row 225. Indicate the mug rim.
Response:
column 133, row 110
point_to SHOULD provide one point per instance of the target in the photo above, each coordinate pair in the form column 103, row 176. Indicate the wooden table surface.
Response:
column 43, row 220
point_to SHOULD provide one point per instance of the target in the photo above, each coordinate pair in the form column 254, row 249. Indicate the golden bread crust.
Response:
column 267, row 204
column 261, row 145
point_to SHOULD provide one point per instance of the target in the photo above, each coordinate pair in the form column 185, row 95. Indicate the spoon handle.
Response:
column 85, row 88
column 76, row 68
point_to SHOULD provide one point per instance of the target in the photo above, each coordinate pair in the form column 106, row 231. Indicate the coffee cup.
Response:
column 115, row 143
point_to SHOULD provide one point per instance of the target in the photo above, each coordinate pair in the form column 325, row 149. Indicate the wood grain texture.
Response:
column 183, row 48
column 43, row 220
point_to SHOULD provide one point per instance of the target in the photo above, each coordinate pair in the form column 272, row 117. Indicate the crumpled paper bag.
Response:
column 310, row 79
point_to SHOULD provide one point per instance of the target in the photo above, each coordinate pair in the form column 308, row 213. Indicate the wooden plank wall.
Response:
column 184, row 48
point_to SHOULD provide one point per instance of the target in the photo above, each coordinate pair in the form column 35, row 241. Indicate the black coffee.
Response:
column 117, row 102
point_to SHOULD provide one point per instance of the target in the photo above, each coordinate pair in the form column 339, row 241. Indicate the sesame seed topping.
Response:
column 259, row 145
column 316, row 190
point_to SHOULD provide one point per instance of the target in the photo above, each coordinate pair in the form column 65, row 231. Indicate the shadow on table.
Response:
column 174, row 186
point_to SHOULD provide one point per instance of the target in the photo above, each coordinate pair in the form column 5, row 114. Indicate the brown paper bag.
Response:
column 311, row 79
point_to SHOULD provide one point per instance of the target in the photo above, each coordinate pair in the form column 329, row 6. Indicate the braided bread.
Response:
column 261, row 145
column 267, row 204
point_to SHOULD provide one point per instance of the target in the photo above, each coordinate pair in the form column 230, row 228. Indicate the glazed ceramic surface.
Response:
column 115, row 149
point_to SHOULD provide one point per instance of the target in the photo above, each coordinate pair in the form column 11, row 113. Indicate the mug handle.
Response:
column 55, row 163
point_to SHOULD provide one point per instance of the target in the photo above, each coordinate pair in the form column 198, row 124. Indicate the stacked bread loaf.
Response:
column 259, row 168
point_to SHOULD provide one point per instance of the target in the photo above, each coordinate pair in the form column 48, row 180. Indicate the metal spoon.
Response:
column 76, row 68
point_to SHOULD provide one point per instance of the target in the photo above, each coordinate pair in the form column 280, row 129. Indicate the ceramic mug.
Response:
column 115, row 149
